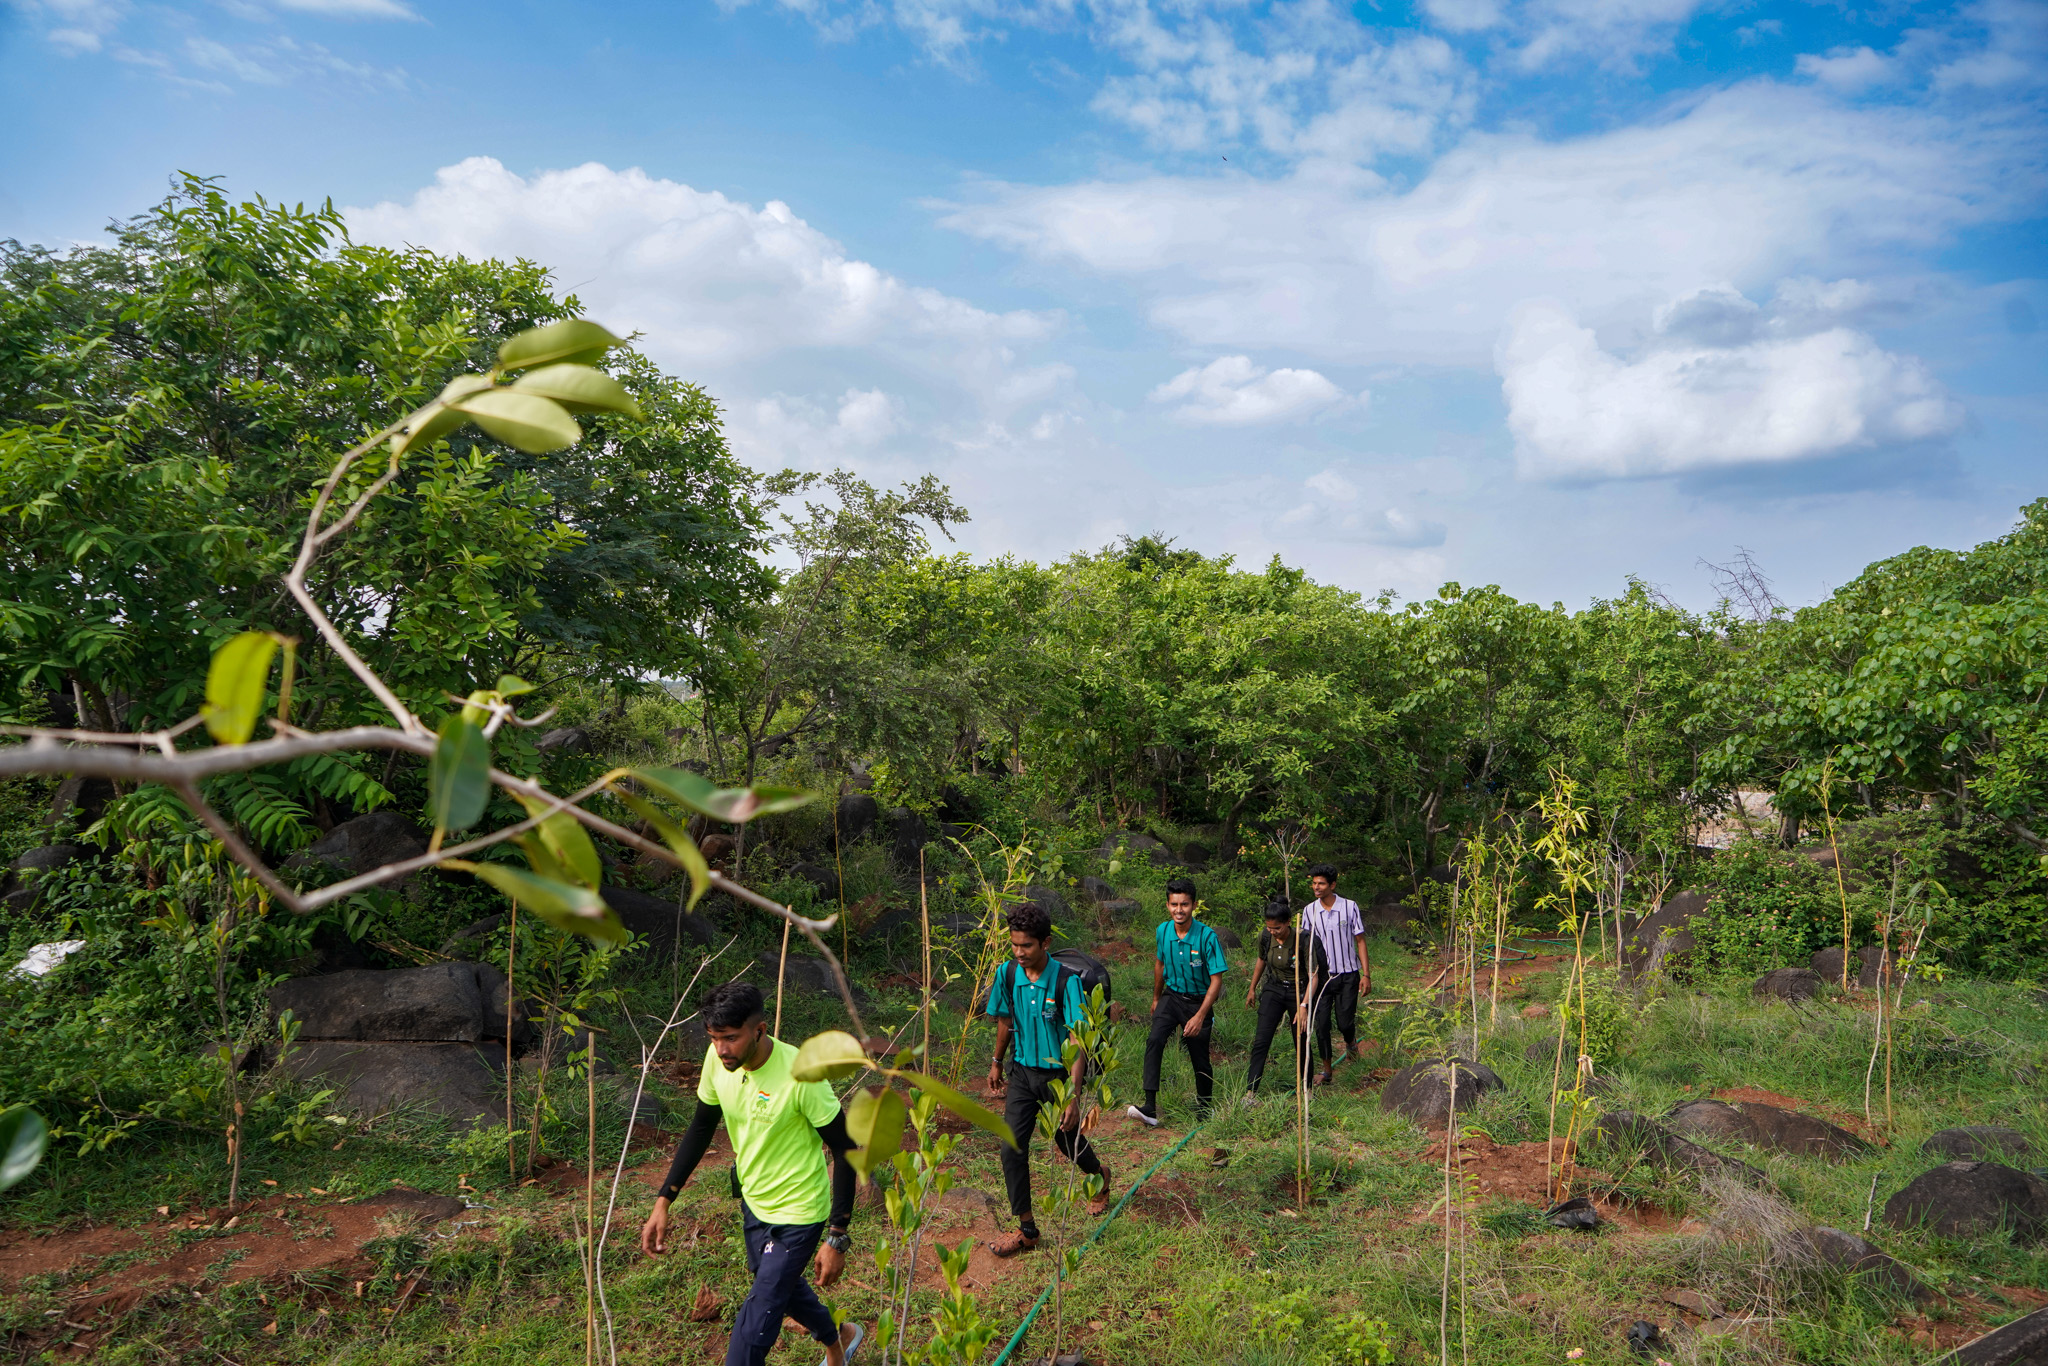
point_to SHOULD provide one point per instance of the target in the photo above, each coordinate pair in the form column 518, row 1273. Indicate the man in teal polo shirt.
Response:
column 1036, row 1004
column 1187, row 976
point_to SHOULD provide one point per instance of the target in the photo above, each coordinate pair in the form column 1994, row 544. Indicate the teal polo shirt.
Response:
column 1040, row 1025
column 1190, row 961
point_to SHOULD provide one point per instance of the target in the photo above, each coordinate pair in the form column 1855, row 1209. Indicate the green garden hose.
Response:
column 1045, row 1294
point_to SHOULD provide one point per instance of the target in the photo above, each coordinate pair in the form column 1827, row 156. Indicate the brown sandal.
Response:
column 1012, row 1243
column 1098, row 1205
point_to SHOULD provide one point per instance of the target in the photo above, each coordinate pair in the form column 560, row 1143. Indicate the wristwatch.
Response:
column 839, row 1240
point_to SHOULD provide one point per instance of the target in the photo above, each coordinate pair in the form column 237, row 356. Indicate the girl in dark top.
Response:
column 1290, row 969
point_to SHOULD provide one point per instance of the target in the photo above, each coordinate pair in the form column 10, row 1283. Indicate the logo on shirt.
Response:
column 762, row 1099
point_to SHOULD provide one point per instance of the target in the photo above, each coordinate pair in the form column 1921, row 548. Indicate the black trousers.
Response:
column 1176, row 1008
column 1275, row 1009
column 1337, row 1002
column 777, row 1255
column 1029, row 1091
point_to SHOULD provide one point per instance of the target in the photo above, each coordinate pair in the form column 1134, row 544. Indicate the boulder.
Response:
column 825, row 880
column 1664, row 935
column 1048, row 897
column 18, row 883
column 1135, row 842
column 439, row 1003
column 452, row 1079
column 356, row 846
column 803, row 975
column 907, row 833
column 80, row 801
column 1765, row 1126
column 1227, row 937
column 1627, row 1130
column 1978, row 1143
column 1095, row 889
column 2023, row 1342
column 658, row 918
column 1859, row 1257
column 1196, row 854
column 1971, row 1199
column 1787, row 984
column 1864, row 970
column 564, row 740
column 1423, row 1092
column 1388, row 915
column 858, row 813
column 558, row 1047
column 1119, row 909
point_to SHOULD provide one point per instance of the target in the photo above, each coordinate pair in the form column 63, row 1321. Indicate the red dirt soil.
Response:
column 1520, row 1172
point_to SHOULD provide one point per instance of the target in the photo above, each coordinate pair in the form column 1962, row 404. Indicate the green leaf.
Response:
column 874, row 1120
column 835, row 1053
column 677, row 839
column 527, row 421
column 960, row 1105
column 576, row 340
column 736, row 805
column 23, row 1139
column 510, row 685
column 566, row 840
column 579, row 388
column 459, row 775
column 578, row 910
column 437, row 419
column 235, row 683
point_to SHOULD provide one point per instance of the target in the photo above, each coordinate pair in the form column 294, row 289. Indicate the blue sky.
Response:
column 1542, row 293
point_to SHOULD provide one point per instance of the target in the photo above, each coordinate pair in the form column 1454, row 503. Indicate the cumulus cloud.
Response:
column 1749, row 185
column 350, row 9
column 712, row 281
column 1233, row 392
column 1846, row 69
column 1724, row 382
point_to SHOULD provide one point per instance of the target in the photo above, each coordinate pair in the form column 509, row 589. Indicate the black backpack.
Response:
column 1072, row 962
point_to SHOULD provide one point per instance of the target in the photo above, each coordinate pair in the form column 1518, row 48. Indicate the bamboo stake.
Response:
column 590, row 1201
column 924, row 917
column 781, row 967
column 511, row 995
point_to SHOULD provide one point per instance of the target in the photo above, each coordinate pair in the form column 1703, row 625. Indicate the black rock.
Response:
column 452, row 1079
column 1095, row 889
column 1664, row 936
column 1978, row 1143
column 1229, row 938
column 566, row 740
column 2023, row 1342
column 907, row 833
column 1859, row 1256
column 1196, row 854
column 858, row 813
column 826, row 880
column 356, row 846
column 18, row 884
column 1971, row 1199
column 80, row 801
column 1864, row 973
column 1765, row 1126
column 658, row 918
column 1626, row 1130
column 802, row 974
column 1576, row 1213
column 1423, row 1092
column 439, row 1003
column 1787, row 984
column 1644, row 1338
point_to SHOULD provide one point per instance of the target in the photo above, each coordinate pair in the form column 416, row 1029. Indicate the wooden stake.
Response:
column 590, row 1201
column 924, row 916
column 511, row 995
column 781, row 967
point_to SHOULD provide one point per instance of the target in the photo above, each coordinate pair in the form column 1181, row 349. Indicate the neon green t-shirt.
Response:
column 772, row 1120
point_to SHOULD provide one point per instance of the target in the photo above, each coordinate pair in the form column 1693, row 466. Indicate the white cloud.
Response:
column 2012, row 48
column 1397, row 528
column 1846, row 69
column 1724, row 383
column 350, row 9
column 1464, row 16
column 1234, row 392
column 1749, row 185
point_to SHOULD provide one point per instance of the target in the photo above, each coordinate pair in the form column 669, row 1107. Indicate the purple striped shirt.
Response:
column 1334, row 929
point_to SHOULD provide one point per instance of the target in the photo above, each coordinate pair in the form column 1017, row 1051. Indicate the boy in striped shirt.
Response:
column 1187, row 976
column 1340, row 930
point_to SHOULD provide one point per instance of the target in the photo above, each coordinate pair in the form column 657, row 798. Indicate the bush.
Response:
column 1771, row 909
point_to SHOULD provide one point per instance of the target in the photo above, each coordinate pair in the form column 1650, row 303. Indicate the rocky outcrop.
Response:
column 1787, row 984
column 356, row 846
column 2023, row 1342
column 1631, row 1133
column 18, row 884
column 1765, row 1126
column 1859, row 1257
column 1978, row 1143
column 455, row 1080
column 659, row 919
column 1664, row 936
column 1972, row 1199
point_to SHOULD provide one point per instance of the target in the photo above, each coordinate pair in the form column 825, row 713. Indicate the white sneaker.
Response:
column 1149, row 1121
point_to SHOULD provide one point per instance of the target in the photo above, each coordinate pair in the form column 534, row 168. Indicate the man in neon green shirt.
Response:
column 775, row 1123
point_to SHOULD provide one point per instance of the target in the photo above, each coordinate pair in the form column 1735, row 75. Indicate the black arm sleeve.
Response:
column 845, row 1180
column 696, row 1139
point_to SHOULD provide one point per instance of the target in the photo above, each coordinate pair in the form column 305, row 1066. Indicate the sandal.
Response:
column 849, row 1347
column 1098, row 1205
column 1012, row 1243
